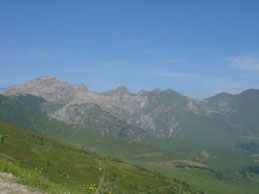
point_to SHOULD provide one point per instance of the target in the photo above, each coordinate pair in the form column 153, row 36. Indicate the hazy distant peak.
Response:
column 224, row 94
column 46, row 78
column 221, row 95
column 80, row 87
column 142, row 92
column 250, row 92
column 157, row 90
column 121, row 90
column 171, row 91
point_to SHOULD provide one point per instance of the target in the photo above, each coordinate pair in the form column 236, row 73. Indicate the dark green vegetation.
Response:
column 212, row 169
column 58, row 167
column 31, row 101
column 249, row 146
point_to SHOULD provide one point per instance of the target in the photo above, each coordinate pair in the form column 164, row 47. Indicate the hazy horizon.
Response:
column 92, row 90
column 197, row 48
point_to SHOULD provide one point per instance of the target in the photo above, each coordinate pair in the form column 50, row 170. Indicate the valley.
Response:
column 204, row 167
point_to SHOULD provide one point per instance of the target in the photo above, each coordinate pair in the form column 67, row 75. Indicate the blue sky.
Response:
column 198, row 48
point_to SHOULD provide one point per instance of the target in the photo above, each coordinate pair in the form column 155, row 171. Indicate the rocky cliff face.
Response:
column 133, row 108
column 93, row 116
column 48, row 88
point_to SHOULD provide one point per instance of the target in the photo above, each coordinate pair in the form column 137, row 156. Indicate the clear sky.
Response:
column 198, row 48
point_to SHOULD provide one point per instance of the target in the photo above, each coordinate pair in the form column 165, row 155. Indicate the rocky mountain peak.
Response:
column 157, row 90
column 141, row 92
column 45, row 80
column 121, row 90
column 80, row 87
column 250, row 92
column 219, row 96
column 171, row 91
column 48, row 88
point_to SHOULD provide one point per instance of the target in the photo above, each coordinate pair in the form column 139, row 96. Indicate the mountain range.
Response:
column 222, row 120
column 206, row 142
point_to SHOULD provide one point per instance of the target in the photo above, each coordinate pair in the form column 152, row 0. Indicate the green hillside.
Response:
column 58, row 167
column 221, row 158
column 202, row 167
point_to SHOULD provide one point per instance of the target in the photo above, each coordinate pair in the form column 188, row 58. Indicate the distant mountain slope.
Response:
column 223, row 120
column 11, row 111
column 93, row 116
column 241, row 110
column 86, row 114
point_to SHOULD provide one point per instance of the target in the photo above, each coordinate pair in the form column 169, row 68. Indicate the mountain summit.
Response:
column 121, row 90
column 48, row 88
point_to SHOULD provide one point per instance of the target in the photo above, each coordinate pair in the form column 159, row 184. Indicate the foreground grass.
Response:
column 56, row 167
column 33, row 178
column 231, row 181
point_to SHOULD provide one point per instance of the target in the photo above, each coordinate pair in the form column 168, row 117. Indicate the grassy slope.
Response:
column 222, row 158
column 103, row 142
column 67, row 167
column 205, row 180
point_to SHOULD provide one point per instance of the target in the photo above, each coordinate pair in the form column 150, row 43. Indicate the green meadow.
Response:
column 58, row 167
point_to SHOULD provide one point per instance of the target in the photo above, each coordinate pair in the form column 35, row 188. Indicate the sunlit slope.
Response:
column 71, row 166
column 221, row 158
